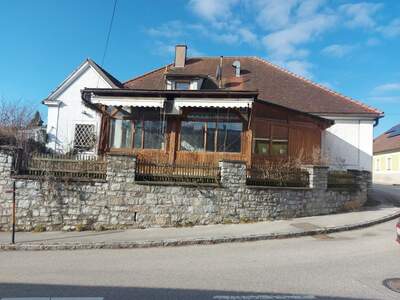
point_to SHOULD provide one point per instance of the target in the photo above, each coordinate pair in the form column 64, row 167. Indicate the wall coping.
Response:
column 121, row 154
column 315, row 166
column 265, row 187
column 187, row 184
column 232, row 161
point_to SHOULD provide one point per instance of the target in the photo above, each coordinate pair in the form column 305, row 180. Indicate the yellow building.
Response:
column 386, row 160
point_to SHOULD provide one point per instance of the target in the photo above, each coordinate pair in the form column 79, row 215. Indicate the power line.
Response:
column 109, row 33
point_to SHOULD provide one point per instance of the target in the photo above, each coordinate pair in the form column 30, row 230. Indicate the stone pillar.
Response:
column 121, row 168
column 363, row 179
column 6, row 183
column 233, row 173
column 318, row 176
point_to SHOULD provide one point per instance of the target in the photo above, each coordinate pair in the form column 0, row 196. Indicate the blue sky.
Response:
column 351, row 46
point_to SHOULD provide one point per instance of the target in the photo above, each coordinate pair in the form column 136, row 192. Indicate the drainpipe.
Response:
column 58, row 114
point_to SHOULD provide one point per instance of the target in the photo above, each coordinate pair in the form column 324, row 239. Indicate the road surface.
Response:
column 349, row 265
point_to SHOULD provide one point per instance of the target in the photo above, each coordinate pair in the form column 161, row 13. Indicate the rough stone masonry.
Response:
column 120, row 202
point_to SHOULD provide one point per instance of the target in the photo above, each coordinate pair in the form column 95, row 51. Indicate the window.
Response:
column 139, row 134
column 84, row 137
column 121, row 133
column 389, row 163
column 215, row 131
column 182, row 85
column 377, row 162
column 270, row 139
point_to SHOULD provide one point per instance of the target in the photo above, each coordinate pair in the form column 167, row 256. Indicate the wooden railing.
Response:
column 279, row 177
column 189, row 173
column 341, row 179
column 63, row 166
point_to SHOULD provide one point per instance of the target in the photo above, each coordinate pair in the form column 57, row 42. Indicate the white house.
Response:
column 70, row 123
column 188, row 82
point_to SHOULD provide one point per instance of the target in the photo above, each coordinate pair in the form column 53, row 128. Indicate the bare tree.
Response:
column 16, row 123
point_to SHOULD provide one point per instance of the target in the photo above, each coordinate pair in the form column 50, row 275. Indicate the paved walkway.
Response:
column 281, row 228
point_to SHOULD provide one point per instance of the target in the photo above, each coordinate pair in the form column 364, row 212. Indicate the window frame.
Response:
column 271, row 139
column 205, row 121
column 134, row 122
column 94, row 146
column 388, row 164
column 177, row 82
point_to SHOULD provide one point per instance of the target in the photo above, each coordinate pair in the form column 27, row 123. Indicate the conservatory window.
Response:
column 121, row 133
column 213, row 132
column 138, row 134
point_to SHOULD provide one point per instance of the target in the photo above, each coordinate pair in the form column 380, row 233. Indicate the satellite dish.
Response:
column 236, row 65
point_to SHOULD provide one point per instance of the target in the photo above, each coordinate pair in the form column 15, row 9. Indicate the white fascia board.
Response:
column 129, row 101
column 213, row 102
column 71, row 78
column 51, row 102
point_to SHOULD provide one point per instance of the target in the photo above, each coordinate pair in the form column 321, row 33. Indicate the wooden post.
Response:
column 173, row 142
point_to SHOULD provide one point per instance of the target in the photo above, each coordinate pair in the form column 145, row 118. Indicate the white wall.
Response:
column 348, row 143
column 71, row 110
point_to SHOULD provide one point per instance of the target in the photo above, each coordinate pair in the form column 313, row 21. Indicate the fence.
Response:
column 162, row 172
column 341, row 179
column 61, row 166
column 284, row 177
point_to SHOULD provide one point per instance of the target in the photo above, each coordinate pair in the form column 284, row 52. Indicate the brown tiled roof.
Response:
column 387, row 142
column 274, row 84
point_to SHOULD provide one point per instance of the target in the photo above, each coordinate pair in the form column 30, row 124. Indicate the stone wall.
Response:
column 120, row 202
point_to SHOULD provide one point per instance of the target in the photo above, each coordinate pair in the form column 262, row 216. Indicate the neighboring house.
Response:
column 386, row 167
column 203, row 109
column 70, row 124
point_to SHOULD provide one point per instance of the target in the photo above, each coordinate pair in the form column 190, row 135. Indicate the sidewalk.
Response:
column 210, row 234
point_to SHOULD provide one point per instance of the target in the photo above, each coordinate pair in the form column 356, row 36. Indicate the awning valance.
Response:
column 213, row 102
column 129, row 101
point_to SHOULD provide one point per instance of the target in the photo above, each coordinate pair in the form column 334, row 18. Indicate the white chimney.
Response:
column 180, row 56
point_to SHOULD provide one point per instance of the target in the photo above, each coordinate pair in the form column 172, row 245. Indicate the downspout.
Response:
column 58, row 116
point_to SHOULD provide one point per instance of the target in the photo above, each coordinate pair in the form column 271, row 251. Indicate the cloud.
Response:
column 212, row 10
column 168, row 50
column 248, row 36
column 274, row 15
column 172, row 29
column 360, row 14
column 392, row 29
column 387, row 87
column 284, row 44
column 337, row 50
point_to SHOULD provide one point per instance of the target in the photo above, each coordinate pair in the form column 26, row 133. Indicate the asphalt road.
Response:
column 349, row 265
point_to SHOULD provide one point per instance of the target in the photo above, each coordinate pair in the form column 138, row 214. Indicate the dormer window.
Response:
column 182, row 85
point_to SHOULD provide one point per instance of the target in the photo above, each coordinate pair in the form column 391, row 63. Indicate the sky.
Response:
column 349, row 46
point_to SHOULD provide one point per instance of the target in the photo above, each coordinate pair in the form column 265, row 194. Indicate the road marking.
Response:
column 55, row 298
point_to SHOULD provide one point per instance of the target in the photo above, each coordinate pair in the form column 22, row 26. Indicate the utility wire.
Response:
column 107, row 40
column 109, row 33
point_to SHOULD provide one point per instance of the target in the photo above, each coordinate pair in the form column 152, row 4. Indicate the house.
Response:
column 204, row 109
column 386, row 165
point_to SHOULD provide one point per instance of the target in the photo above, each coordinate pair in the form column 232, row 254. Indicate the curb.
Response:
column 194, row 241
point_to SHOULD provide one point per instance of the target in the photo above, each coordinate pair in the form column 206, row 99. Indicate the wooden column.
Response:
column 173, row 141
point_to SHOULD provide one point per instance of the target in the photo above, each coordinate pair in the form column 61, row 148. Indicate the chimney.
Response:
column 180, row 56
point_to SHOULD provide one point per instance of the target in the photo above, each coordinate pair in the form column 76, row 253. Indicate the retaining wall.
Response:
column 120, row 202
